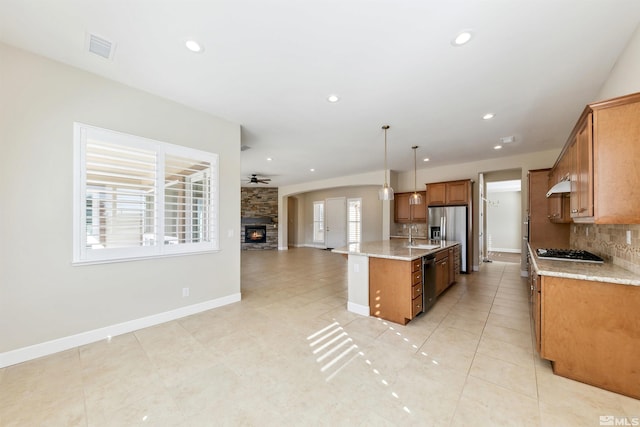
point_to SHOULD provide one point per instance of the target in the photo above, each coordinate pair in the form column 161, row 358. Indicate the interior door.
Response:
column 336, row 222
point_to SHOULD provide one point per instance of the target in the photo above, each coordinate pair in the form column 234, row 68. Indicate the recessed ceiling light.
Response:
column 488, row 116
column 497, row 147
column 426, row 159
column 507, row 139
column 333, row 98
column 193, row 46
column 269, row 159
column 312, row 170
column 462, row 38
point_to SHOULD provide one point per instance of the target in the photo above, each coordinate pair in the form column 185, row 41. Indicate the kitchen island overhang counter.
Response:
column 358, row 259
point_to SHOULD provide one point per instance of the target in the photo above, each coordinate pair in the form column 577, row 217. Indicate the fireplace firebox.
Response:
column 255, row 234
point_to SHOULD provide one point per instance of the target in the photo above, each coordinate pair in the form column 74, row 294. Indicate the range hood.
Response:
column 561, row 187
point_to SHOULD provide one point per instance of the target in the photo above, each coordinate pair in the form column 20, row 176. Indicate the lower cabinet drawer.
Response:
column 417, row 277
column 417, row 306
column 416, row 291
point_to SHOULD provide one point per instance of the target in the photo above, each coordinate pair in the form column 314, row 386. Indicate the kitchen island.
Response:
column 391, row 279
column 587, row 321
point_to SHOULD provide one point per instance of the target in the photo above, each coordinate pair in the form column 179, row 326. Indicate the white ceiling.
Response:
column 269, row 65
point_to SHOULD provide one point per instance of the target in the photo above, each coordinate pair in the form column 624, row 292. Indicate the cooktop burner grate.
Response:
column 577, row 255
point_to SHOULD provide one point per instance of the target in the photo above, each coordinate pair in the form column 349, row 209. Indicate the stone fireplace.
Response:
column 259, row 221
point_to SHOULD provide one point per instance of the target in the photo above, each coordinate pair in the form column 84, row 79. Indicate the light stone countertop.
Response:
column 393, row 249
column 606, row 272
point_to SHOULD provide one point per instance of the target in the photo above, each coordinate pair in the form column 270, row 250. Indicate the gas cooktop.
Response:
column 575, row 255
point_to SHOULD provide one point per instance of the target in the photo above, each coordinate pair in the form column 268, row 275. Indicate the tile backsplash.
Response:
column 609, row 242
column 419, row 230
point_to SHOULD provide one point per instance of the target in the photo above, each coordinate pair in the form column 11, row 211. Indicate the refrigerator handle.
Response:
column 443, row 228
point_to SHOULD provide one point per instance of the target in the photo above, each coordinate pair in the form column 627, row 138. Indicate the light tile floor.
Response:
column 290, row 354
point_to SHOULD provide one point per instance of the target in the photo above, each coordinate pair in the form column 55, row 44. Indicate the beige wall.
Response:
column 625, row 75
column 371, row 211
column 42, row 296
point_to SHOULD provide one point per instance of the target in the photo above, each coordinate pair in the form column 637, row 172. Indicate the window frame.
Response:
column 319, row 222
column 84, row 255
column 350, row 222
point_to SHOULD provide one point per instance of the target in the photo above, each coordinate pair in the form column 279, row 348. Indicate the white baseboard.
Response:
column 363, row 310
column 508, row 250
column 54, row 346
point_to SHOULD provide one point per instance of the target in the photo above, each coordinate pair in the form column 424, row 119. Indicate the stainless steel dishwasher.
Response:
column 428, row 281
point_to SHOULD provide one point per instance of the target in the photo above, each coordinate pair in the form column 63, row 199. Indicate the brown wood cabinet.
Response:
column 590, row 331
column 442, row 271
column 456, row 263
column 407, row 213
column 395, row 289
column 581, row 155
column 603, row 151
column 455, row 193
column 558, row 209
column 450, row 193
column 542, row 233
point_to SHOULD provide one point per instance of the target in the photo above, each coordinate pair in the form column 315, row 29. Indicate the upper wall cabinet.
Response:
column 602, row 156
column 405, row 212
column 449, row 193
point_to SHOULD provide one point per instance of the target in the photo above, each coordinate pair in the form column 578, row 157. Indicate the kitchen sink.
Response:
column 421, row 246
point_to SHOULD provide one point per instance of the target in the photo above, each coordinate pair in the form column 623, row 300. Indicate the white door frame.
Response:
column 335, row 217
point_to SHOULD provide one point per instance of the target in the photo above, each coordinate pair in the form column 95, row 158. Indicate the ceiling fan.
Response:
column 253, row 179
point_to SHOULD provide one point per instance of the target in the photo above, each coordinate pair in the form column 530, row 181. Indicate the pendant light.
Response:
column 386, row 192
column 415, row 199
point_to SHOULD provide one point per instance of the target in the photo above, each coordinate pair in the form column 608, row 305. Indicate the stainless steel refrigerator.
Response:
column 450, row 223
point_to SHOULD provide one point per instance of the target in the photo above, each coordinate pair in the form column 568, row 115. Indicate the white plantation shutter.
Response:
column 188, row 212
column 354, row 220
column 136, row 197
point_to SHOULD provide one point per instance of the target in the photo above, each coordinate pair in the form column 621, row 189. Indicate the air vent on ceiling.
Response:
column 100, row 46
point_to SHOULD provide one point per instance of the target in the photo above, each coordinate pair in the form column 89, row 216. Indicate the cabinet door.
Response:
column 554, row 206
column 436, row 194
column 442, row 275
column 457, row 193
column 401, row 204
column 582, row 172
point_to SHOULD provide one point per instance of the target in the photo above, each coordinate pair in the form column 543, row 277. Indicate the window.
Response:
column 318, row 222
column 354, row 220
column 137, row 198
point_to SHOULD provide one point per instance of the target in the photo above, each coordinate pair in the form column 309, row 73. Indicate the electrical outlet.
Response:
column 185, row 292
column 586, row 231
column 356, row 268
column 628, row 237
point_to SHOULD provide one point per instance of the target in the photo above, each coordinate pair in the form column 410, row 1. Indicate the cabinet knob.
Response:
column 574, row 210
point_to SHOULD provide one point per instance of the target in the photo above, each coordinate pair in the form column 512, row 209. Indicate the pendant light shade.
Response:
column 415, row 199
column 386, row 192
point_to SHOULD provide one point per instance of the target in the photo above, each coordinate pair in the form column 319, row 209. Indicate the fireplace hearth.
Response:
column 255, row 234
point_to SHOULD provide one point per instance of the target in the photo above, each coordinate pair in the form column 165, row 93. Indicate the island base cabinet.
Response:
column 395, row 289
column 591, row 332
